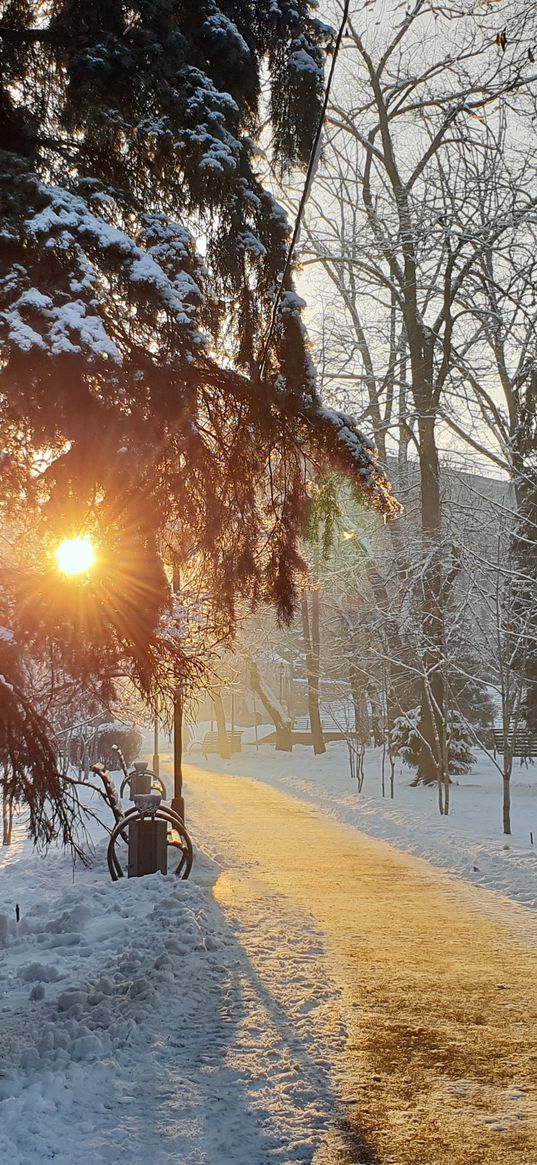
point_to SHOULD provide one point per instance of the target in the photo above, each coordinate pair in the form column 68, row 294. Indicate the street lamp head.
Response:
column 75, row 555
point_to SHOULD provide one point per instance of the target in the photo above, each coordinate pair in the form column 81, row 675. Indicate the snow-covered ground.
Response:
column 133, row 1026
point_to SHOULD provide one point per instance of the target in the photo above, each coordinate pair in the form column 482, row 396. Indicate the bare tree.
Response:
column 500, row 612
column 402, row 229
column 311, row 630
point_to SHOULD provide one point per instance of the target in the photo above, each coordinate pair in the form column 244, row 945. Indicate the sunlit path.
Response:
column 437, row 994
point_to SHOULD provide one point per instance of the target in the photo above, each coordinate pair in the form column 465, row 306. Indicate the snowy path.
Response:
column 436, row 978
column 470, row 842
column 310, row 997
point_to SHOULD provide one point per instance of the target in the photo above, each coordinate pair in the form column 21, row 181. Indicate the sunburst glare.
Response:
column 75, row 555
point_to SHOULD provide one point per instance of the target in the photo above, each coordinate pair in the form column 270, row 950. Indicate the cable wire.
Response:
column 305, row 192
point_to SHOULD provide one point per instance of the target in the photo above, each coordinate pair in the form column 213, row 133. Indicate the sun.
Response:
column 75, row 555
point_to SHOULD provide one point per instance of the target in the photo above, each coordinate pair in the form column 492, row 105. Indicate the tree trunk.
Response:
column 361, row 713
column 432, row 763
column 355, row 692
column 506, row 809
column 395, row 674
column 178, row 803
column 507, row 770
column 223, row 739
column 377, row 727
column 7, row 817
column 282, row 724
column 312, row 648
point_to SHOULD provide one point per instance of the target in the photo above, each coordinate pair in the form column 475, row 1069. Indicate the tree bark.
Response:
column 312, row 642
column 507, row 770
column 178, row 748
column 506, row 808
column 223, row 739
column 433, row 761
column 282, row 723
column 7, row 817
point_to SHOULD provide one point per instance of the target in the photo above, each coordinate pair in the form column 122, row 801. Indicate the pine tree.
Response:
column 140, row 254
column 140, row 261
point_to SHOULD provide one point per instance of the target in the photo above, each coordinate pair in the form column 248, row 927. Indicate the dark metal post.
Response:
column 177, row 802
column 255, row 726
column 156, row 757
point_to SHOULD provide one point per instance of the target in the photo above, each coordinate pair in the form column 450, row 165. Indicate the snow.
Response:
column 72, row 320
column 34, row 298
column 70, row 327
column 145, row 270
column 21, row 334
column 131, row 1014
column 207, row 111
column 291, row 302
column 169, row 240
column 223, row 31
column 220, row 156
column 247, row 241
column 135, row 1025
column 66, row 223
column 303, row 62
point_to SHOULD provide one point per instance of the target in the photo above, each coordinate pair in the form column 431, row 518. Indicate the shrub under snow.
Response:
column 406, row 742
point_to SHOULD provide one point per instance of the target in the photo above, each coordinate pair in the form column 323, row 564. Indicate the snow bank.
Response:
column 95, row 979
column 135, row 1028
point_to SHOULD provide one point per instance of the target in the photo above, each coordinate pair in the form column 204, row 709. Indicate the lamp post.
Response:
column 156, row 757
column 178, row 802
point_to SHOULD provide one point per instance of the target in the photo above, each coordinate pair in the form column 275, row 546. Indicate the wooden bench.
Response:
column 211, row 743
column 522, row 744
column 328, row 724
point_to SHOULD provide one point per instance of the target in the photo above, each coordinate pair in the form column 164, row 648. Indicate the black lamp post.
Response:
column 156, row 757
column 178, row 802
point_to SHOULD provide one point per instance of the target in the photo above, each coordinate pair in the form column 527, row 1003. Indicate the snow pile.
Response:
column 135, row 1029
column 86, row 981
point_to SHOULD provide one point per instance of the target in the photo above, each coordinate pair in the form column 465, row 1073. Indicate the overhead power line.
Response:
column 305, row 192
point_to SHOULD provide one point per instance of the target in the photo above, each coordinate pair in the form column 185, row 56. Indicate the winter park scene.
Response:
column 268, row 593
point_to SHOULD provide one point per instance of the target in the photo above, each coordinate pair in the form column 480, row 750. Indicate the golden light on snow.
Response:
column 75, row 555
